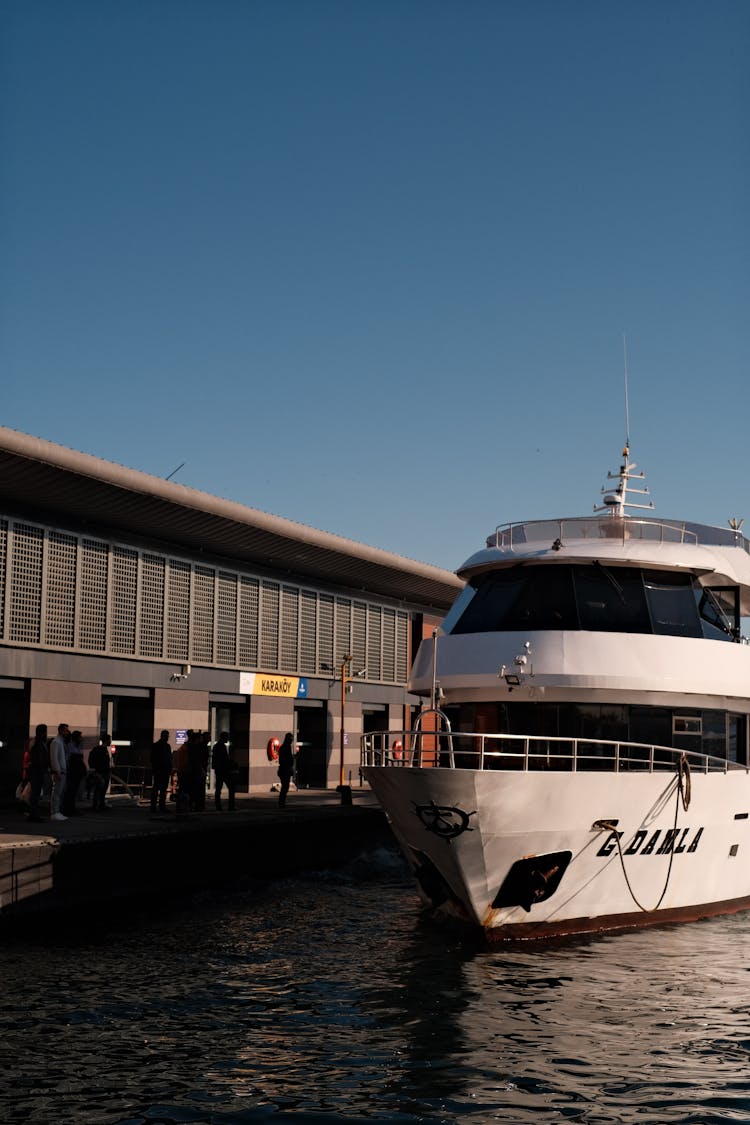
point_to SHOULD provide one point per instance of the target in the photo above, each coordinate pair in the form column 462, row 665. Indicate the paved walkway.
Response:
column 127, row 850
column 128, row 817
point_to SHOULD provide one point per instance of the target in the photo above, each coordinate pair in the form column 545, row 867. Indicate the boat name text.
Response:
column 673, row 840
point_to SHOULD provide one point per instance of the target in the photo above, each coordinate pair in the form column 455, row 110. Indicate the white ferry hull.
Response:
column 519, row 854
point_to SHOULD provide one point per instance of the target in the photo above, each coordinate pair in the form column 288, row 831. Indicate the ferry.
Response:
column 580, row 761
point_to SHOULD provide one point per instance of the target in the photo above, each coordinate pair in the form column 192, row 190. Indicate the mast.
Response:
column 615, row 501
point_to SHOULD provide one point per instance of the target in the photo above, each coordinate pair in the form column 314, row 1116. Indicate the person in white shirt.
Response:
column 58, row 766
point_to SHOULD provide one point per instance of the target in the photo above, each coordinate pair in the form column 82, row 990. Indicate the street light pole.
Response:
column 344, row 668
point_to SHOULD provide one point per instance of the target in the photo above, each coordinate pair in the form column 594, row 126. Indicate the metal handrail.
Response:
column 444, row 722
column 512, row 535
column 529, row 752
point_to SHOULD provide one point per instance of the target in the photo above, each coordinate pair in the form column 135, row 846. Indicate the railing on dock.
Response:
column 135, row 781
column 447, row 749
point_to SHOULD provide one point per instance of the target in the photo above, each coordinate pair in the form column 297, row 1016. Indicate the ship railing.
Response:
column 447, row 749
column 508, row 537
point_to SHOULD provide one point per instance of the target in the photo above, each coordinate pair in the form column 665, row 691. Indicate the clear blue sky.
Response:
column 367, row 264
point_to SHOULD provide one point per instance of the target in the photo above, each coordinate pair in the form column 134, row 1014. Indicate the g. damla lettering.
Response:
column 659, row 842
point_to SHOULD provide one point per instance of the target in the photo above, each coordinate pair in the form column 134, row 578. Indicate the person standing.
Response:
column 225, row 768
column 100, row 761
column 58, row 766
column 76, row 771
column 37, row 770
column 197, row 758
column 161, row 768
column 286, row 767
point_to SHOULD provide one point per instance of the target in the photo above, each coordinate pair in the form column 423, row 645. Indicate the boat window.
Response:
column 672, row 604
column 602, row 720
column 687, row 724
column 456, row 611
column 718, row 609
column 714, row 734
column 545, row 601
column 486, row 611
column 520, row 599
column 611, row 599
column 736, row 738
column 599, row 597
column 717, row 733
column 651, row 725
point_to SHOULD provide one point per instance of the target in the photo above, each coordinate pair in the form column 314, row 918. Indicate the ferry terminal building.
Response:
column 131, row 604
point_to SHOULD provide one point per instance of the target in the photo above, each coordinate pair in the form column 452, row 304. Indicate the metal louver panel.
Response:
column 269, row 654
column 26, row 584
column 124, row 601
column 178, row 617
column 202, row 624
column 151, row 639
column 226, row 619
column 60, row 592
column 93, row 612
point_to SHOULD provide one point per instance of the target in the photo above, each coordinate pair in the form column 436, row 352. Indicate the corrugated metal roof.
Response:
column 45, row 477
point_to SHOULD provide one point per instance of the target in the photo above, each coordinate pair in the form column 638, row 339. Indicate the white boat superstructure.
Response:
column 583, row 761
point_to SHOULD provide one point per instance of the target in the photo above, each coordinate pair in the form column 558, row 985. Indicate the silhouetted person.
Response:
column 58, row 765
column 100, row 761
column 226, row 770
column 37, row 770
column 161, row 768
column 197, row 766
column 76, row 772
column 286, row 767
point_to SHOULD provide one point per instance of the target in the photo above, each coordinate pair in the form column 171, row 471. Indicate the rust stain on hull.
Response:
column 606, row 923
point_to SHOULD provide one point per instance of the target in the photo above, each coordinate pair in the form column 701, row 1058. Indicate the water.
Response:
column 327, row 996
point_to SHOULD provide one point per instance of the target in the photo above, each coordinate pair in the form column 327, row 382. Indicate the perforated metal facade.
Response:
column 63, row 591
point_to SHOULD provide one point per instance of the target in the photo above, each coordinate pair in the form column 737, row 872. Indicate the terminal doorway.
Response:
column 374, row 718
column 14, row 731
column 128, row 716
column 233, row 717
column 310, row 732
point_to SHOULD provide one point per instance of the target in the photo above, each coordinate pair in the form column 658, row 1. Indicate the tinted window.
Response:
column 493, row 595
column 520, row 599
column 671, row 603
column 599, row 597
column 719, row 612
column 611, row 599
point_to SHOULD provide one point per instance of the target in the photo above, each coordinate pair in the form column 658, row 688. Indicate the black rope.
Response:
column 683, row 769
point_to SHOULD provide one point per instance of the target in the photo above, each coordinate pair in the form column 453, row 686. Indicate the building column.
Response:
column 64, row 701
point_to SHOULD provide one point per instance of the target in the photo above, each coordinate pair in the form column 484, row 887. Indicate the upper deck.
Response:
column 714, row 556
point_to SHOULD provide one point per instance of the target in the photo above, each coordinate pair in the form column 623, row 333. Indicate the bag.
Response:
column 23, row 791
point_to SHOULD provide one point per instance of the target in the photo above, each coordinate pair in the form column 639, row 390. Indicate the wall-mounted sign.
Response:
column 271, row 683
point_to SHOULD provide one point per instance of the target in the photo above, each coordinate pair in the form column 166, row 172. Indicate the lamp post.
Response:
column 344, row 677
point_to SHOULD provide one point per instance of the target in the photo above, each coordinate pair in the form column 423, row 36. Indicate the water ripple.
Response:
column 330, row 997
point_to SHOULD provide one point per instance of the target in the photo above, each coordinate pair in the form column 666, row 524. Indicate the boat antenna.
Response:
column 616, row 502
column 627, row 406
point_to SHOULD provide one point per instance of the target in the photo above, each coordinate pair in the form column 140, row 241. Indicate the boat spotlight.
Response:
column 514, row 675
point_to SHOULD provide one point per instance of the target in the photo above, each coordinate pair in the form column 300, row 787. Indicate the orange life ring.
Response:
column 398, row 750
column 272, row 749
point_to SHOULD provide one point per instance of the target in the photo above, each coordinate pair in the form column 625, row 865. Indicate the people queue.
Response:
column 57, row 766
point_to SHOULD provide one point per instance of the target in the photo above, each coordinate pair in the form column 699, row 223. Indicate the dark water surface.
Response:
column 327, row 996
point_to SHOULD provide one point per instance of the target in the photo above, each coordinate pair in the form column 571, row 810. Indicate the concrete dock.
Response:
column 127, row 851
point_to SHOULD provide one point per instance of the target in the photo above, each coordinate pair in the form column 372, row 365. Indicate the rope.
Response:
column 683, row 772
column 683, row 795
